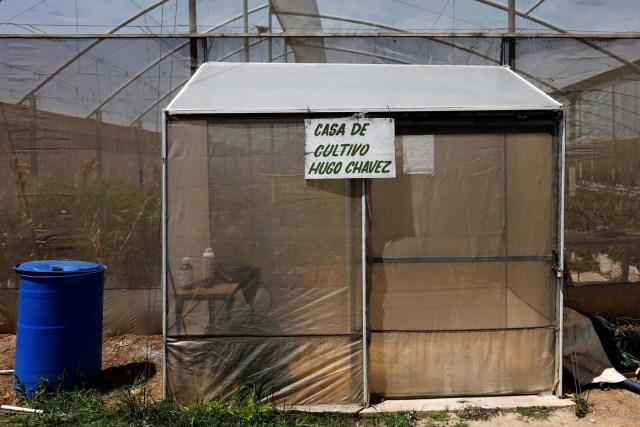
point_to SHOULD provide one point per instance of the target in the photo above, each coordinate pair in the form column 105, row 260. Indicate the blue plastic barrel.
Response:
column 59, row 333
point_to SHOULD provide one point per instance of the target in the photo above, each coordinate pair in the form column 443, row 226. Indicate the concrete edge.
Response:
column 459, row 403
column 336, row 409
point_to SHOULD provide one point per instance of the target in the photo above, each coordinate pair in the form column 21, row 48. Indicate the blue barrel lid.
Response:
column 57, row 267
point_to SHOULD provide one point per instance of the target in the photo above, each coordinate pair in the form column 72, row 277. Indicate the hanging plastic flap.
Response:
column 473, row 363
column 583, row 355
column 288, row 370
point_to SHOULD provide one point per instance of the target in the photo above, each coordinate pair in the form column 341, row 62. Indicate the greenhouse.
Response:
column 83, row 93
column 455, row 248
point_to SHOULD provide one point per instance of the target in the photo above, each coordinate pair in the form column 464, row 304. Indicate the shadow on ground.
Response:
column 135, row 373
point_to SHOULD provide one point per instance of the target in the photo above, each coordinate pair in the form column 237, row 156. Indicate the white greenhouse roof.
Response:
column 221, row 88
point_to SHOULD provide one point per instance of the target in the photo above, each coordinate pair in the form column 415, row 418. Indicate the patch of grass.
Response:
column 440, row 416
column 400, row 419
column 327, row 419
column 582, row 407
column 477, row 413
column 88, row 407
column 536, row 412
column 63, row 408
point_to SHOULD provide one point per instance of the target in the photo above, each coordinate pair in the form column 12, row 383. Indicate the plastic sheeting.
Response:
column 87, row 190
column 460, row 267
column 461, row 296
column 446, row 258
column 450, row 88
column 412, row 364
column 136, row 78
column 583, row 354
column 490, row 195
column 245, row 197
column 610, row 300
column 172, row 16
column 238, row 186
column 290, row 370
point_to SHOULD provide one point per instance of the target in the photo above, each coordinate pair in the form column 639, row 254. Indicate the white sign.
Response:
column 349, row 148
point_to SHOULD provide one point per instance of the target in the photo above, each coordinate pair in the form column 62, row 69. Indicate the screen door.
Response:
column 461, row 298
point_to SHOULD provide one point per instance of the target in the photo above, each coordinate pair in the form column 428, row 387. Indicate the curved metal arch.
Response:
column 616, row 122
column 562, row 31
column 365, row 53
column 436, row 40
column 86, row 49
column 159, row 100
column 613, row 107
column 165, row 56
column 532, row 8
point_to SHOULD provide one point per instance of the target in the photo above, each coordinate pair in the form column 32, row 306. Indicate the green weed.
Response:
column 127, row 407
column 440, row 416
column 477, row 413
column 582, row 406
column 536, row 412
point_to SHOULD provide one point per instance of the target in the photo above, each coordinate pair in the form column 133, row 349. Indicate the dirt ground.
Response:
column 129, row 357
column 125, row 359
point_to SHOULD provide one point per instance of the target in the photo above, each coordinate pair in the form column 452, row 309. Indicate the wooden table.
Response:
column 224, row 291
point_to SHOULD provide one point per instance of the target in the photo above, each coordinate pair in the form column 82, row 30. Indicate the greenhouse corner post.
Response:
column 245, row 22
column 164, row 254
column 193, row 42
column 365, row 351
column 512, row 32
column 563, row 142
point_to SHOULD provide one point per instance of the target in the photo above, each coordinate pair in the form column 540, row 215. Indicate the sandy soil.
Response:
column 613, row 408
column 130, row 357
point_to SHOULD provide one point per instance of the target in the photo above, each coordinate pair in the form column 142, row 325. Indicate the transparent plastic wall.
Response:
column 53, row 113
column 602, row 219
column 80, row 149
column 283, row 308
column 81, row 189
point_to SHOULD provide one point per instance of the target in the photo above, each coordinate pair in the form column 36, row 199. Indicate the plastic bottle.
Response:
column 208, row 266
column 185, row 277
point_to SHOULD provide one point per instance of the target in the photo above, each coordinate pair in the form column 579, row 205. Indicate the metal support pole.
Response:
column 613, row 113
column 560, row 280
column 625, row 263
column 245, row 19
column 512, row 34
column 205, row 49
column 571, row 111
column 365, row 347
column 100, row 166
column 286, row 53
column 164, row 255
column 270, row 41
column 193, row 42
column 614, row 171
column 140, row 157
column 33, row 136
